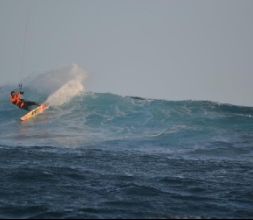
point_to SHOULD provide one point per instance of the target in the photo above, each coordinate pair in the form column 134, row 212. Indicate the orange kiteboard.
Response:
column 39, row 110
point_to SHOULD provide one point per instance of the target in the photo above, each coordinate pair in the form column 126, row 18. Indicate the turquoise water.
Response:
column 107, row 156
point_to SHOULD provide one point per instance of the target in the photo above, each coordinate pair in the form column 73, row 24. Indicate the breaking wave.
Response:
column 98, row 155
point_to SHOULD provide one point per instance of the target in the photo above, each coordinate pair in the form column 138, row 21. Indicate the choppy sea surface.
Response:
column 102, row 155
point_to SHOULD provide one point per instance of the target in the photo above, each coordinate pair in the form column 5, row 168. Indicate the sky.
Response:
column 164, row 49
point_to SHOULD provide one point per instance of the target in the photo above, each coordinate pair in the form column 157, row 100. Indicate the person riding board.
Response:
column 16, row 98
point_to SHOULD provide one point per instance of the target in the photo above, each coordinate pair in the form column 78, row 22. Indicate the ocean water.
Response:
column 101, row 155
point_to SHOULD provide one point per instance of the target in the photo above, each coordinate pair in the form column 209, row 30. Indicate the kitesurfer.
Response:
column 16, row 98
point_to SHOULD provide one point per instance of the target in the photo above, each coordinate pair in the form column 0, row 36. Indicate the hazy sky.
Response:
column 165, row 49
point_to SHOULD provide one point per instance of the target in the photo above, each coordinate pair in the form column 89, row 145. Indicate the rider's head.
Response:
column 12, row 93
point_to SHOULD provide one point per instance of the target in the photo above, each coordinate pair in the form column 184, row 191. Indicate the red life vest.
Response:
column 17, row 100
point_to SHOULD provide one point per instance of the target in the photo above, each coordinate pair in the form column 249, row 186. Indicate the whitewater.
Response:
column 102, row 155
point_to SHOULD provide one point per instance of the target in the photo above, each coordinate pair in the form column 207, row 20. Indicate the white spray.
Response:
column 74, row 87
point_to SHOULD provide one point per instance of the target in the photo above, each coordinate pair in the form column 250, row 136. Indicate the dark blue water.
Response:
column 107, row 156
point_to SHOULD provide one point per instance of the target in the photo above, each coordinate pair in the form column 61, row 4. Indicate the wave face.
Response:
column 100, row 155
